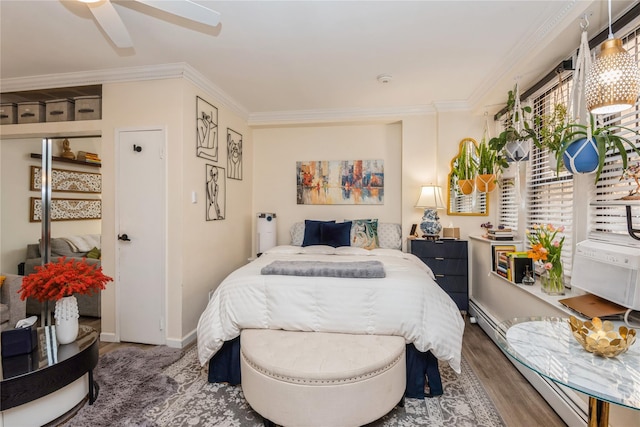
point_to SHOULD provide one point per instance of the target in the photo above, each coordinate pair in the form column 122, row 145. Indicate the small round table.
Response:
column 546, row 346
column 47, row 369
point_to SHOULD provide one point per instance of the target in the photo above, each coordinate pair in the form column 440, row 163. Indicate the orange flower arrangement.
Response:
column 63, row 278
column 544, row 245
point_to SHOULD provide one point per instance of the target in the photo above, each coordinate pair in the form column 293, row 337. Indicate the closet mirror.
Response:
column 22, row 227
column 462, row 195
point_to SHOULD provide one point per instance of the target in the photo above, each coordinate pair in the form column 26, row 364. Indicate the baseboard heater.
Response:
column 572, row 410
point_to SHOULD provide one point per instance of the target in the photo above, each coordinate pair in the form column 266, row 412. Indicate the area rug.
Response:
column 180, row 395
column 131, row 380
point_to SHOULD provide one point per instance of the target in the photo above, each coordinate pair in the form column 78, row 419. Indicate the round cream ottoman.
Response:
column 298, row 379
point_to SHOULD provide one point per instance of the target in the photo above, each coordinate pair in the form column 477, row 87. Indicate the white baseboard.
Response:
column 108, row 337
column 182, row 343
column 572, row 410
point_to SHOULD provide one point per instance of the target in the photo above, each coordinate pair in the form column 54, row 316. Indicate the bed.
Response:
column 405, row 302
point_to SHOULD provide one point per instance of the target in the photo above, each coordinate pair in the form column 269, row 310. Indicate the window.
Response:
column 549, row 192
column 508, row 206
column 607, row 219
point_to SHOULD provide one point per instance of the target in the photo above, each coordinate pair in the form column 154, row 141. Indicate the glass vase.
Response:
column 552, row 280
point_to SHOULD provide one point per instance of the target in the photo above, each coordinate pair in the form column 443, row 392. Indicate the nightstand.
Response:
column 449, row 261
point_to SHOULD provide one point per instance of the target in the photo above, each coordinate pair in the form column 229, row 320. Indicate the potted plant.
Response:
column 464, row 169
column 512, row 142
column 550, row 127
column 583, row 155
column 489, row 165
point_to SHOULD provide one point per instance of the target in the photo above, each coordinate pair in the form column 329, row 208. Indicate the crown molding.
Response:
column 337, row 115
column 119, row 75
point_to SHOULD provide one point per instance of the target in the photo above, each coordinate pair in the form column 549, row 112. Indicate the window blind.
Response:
column 607, row 217
column 549, row 192
column 507, row 208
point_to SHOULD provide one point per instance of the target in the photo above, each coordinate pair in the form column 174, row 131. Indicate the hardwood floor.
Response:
column 517, row 401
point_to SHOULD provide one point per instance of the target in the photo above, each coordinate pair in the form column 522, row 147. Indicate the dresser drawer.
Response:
column 440, row 248
column 447, row 266
column 452, row 283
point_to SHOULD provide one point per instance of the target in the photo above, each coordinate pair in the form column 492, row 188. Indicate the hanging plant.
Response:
column 513, row 142
column 550, row 128
column 594, row 143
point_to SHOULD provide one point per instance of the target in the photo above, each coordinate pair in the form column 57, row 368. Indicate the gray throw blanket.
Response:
column 355, row 269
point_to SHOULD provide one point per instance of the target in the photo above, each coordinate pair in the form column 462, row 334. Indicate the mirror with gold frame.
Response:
column 462, row 196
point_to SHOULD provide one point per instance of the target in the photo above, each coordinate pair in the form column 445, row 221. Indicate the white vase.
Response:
column 66, row 315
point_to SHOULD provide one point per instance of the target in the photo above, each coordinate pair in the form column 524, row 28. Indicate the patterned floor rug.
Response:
column 197, row 402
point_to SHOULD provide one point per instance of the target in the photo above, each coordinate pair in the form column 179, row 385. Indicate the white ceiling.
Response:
column 272, row 57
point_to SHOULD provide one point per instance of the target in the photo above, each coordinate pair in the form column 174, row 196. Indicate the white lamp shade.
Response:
column 430, row 197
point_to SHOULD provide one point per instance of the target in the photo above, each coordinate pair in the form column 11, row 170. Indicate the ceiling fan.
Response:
column 108, row 18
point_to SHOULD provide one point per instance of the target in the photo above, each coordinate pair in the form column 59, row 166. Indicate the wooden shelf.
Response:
column 65, row 160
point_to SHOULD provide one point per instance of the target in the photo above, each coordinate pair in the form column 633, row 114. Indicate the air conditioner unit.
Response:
column 608, row 271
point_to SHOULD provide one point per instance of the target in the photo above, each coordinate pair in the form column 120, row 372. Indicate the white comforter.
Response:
column 407, row 302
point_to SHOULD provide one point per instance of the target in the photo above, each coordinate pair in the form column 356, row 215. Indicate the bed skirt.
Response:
column 224, row 366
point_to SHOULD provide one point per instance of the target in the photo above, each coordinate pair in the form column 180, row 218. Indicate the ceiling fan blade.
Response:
column 110, row 21
column 186, row 9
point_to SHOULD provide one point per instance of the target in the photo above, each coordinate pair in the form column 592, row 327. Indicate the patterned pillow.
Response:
column 297, row 233
column 389, row 235
column 364, row 233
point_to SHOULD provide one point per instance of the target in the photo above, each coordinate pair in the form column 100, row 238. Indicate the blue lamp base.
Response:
column 430, row 226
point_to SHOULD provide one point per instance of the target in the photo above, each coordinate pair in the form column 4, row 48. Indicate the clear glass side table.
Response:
column 546, row 346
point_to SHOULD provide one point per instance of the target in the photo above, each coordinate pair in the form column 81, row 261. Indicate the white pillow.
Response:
column 352, row 250
column 297, row 233
column 388, row 252
column 318, row 249
column 284, row 249
column 389, row 235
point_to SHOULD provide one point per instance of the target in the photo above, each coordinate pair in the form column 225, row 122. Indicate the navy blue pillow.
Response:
column 312, row 232
column 336, row 234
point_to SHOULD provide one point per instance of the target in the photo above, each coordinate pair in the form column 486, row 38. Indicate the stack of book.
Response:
column 500, row 234
column 88, row 157
column 502, row 264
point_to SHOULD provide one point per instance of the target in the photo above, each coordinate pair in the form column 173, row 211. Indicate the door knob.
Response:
column 124, row 237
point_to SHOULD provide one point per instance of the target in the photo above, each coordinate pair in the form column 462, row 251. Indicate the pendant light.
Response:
column 613, row 83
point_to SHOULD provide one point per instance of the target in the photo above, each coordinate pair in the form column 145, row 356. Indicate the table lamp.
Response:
column 431, row 200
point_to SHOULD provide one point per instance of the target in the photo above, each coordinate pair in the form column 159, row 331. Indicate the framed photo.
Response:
column 66, row 209
column 206, row 130
column 216, row 193
column 414, row 231
column 68, row 181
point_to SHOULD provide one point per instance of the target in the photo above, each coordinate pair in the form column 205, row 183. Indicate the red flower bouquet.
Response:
column 63, row 278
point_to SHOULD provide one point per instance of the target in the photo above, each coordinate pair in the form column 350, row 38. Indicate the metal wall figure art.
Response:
column 207, row 130
column 234, row 154
column 216, row 193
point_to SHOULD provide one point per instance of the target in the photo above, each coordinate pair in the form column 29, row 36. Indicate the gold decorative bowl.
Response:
column 598, row 337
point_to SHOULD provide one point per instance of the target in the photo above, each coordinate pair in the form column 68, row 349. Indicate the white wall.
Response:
column 199, row 253
column 419, row 150
column 15, row 178
column 277, row 150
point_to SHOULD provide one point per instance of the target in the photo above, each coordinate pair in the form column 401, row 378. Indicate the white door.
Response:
column 140, row 216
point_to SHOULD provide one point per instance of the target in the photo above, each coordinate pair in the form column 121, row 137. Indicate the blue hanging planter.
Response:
column 581, row 156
